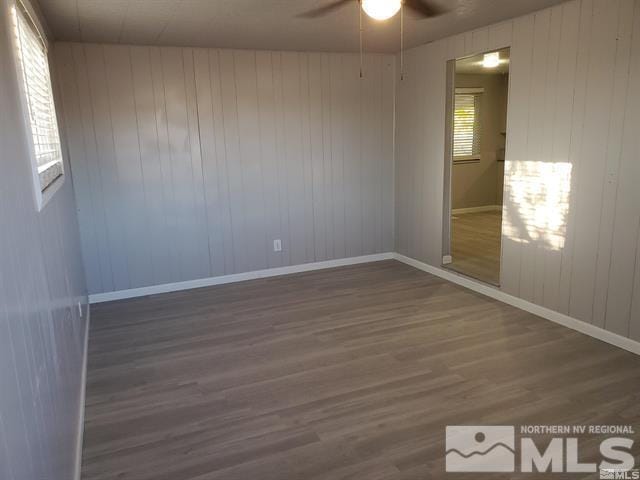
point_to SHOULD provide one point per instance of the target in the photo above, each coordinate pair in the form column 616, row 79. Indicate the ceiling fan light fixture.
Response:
column 381, row 9
column 491, row 60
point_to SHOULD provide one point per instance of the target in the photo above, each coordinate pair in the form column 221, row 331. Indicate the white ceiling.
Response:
column 262, row 24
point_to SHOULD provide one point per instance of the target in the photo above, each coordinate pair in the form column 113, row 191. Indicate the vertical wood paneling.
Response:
column 202, row 158
column 309, row 227
column 547, row 257
column 77, row 148
column 570, row 105
column 561, row 131
column 514, row 230
column 41, row 284
column 119, row 78
column 269, row 151
column 96, row 182
column 387, row 147
column 222, row 176
column 352, row 153
column 250, row 157
column 151, row 170
column 107, row 165
column 535, row 135
column 622, row 300
column 613, row 154
column 199, row 204
column 589, row 177
column 338, row 138
column 316, row 145
column 327, row 182
column 283, row 193
column 579, row 106
column 292, row 107
column 165, row 187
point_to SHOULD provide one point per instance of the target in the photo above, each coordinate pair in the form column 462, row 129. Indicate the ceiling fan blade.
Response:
column 324, row 10
column 425, row 8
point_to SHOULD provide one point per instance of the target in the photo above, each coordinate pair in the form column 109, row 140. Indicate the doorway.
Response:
column 475, row 155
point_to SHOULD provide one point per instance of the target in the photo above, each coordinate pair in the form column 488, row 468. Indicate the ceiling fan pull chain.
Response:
column 361, row 63
column 402, row 41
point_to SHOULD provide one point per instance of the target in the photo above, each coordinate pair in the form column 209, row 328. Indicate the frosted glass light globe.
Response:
column 381, row 9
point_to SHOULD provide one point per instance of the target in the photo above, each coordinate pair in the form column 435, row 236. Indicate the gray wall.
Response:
column 480, row 184
column 571, row 227
column 188, row 163
column 41, row 281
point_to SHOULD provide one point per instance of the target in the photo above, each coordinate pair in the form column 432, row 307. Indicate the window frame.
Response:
column 41, row 196
column 474, row 157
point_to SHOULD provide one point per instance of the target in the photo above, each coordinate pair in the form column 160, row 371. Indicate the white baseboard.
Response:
column 484, row 208
column 238, row 277
column 488, row 290
column 556, row 317
column 83, row 386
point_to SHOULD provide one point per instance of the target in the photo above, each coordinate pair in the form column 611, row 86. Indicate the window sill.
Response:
column 466, row 159
column 47, row 194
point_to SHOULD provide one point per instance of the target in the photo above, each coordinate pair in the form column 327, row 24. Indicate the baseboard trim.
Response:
column 238, row 277
column 484, row 208
column 556, row 317
column 80, row 433
column 482, row 288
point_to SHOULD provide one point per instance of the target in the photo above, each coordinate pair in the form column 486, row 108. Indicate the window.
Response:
column 31, row 52
column 466, row 124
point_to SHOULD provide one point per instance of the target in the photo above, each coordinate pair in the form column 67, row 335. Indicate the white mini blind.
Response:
column 32, row 54
column 466, row 125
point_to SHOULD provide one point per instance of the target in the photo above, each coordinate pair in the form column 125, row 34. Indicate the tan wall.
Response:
column 479, row 184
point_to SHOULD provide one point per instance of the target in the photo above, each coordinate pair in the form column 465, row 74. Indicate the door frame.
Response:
column 446, row 258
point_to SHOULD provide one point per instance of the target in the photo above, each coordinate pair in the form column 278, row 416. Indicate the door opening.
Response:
column 474, row 173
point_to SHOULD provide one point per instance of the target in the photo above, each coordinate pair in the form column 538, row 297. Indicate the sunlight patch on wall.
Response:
column 538, row 203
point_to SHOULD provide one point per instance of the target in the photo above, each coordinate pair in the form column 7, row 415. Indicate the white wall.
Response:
column 41, row 281
column 573, row 128
column 188, row 163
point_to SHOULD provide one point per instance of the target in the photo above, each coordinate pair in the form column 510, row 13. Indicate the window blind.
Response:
column 466, row 125
column 32, row 54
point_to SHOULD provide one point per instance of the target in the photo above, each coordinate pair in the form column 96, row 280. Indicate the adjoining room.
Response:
column 479, row 132
column 319, row 239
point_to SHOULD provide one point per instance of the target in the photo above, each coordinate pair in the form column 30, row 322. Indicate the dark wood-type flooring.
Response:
column 349, row 373
column 476, row 244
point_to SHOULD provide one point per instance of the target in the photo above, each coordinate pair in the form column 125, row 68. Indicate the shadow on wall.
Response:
column 538, row 203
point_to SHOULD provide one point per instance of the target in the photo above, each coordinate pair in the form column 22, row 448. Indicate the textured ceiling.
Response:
column 262, row 24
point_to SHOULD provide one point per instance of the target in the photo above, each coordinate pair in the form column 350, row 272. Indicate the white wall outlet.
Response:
column 277, row 245
column 446, row 260
column 80, row 309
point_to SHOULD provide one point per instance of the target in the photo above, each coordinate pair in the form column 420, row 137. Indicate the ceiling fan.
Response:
column 380, row 9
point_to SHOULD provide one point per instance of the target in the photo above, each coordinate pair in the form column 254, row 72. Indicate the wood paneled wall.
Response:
column 571, row 232
column 188, row 163
column 41, row 282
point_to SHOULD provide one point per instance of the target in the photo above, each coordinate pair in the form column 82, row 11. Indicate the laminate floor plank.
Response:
column 346, row 373
column 476, row 245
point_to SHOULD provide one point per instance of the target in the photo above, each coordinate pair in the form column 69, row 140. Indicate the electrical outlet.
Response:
column 277, row 245
column 446, row 260
column 80, row 309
